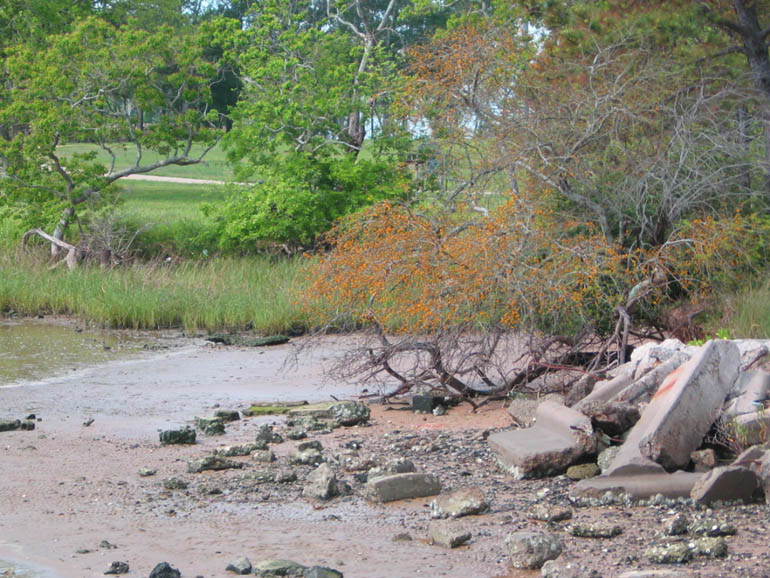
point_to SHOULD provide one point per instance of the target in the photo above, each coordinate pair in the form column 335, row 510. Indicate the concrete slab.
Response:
column 749, row 389
column 682, row 410
column 559, row 438
column 638, row 487
column 726, row 484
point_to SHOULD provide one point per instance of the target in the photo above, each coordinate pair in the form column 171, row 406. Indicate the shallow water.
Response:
column 34, row 349
column 17, row 569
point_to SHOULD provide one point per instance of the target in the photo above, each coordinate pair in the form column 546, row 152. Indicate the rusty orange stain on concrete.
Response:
column 668, row 383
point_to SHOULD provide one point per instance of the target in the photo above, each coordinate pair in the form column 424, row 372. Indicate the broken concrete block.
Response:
column 637, row 487
column 612, row 417
column 750, row 429
column 725, row 484
column 523, row 408
column 745, row 398
column 447, row 533
column 460, row 502
column 321, row 483
column 530, row 550
column 559, row 438
column 402, row 487
column 681, row 411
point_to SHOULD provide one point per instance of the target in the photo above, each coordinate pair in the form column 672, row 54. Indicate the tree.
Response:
column 101, row 85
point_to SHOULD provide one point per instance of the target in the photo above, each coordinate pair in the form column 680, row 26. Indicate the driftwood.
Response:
column 71, row 258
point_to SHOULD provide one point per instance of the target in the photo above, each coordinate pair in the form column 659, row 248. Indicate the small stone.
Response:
column 677, row 526
column 309, row 445
column 402, row 487
column 27, row 425
column 210, row 426
column 677, row 553
column 712, row 528
column 227, row 415
column 439, row 410
column 104, row 544
column 311, row 457
column 165, row 570
column 267, row 435
column 460, row 502
column 270, row 568
column 583, row 471
column 117, row 568
column 550, row 514
column 146, row 472
column 704, row 460
column 594, row 531
column 321, row 483
column 530, row 550
column 185, row 435
column 211, row 463
column 447, row 534
column 402, row 537
column 174, row 484
column 349, row 413
column 240, row 566
column 711, row 547
column 263, row 456
column 322, row 572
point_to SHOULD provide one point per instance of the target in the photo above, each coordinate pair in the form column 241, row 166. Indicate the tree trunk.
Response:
column 61, row 226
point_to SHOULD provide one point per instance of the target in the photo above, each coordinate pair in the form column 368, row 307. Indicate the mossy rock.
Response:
column 240, row 340
column 256, row 410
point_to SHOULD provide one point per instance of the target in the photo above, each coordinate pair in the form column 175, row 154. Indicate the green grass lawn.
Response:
column 214, row 165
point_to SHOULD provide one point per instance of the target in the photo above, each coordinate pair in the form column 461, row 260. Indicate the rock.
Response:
column 711, row 527
column 748, row 428
column 612, row 417
column 117, row 568
column 678, row 525
column 583, row 471
column 239, row 450
column 321, row 483
column 27, row 425
column 398, row 466
column 296, row 433
column 402, row 537
column 530, row 550
column 318, row 410
column 164, row 570
column 704, row 460
column 594, row 531
column 186, row 435
column 606, row 457
column 211, row 463
column 447, row 534
column 227, row 415
column 210, row 426
column 349, row 413
column 309, row 423
column 750, row 388
column 263, row 456
column 402, row 487
column 560, row 437
column 286, row 477
column 655, row 574
column 267, row 435
column 425, row 403
column 147, row 472
column 681, row 411
column 270, row 568
column 9, row 424
column 309, row 445
column 556, row 569
column 523, row 408
column 174, row 484
column 677, row 553
column 550, row 514
column 310, row 457
column 240, row 566
column 711, row 547
column 760, row 464
column 460, row 502
column 322, row 572
column 725, row 484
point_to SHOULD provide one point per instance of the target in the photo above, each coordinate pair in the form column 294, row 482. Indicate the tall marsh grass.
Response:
column 256, row 293
column 747, row 313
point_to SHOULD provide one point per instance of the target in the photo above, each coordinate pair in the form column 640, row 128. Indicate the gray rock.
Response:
column 637, row 486
column 186, row 435
column 530, row 550
column 239, row 450
column 309, row 445
column 677, row 553
column 557, row 569
column 550, row 514
column 196, row 466
column 240, row 566
column 655, row 574
column 727, row 483
column 399, row 466
column 174, row 484
column 612, row 417
column 447, row 534
column 321, row 484
column 677, row 526
column 27, row 425
column 349, row 413
column 594, row 531
column 704, row 460
column 165, row 570
column 263, row 456
column 147, row 472
column 227, row 415
column 117, row 568
column 296, row 433
column 402, row 487
column 9, row 424
column 583, row 471
column 210, row 426
column 606, row 457
column 267, row 435
column 286, row 477
column 711, row 547
column 270, row 568
column 322, row 572
column 460, row 502
column 310, row 457
column 711, row 527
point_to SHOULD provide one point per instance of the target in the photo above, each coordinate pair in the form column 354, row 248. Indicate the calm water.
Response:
column 31, row 350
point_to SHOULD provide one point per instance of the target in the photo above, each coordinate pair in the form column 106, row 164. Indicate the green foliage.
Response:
column 300, row 198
